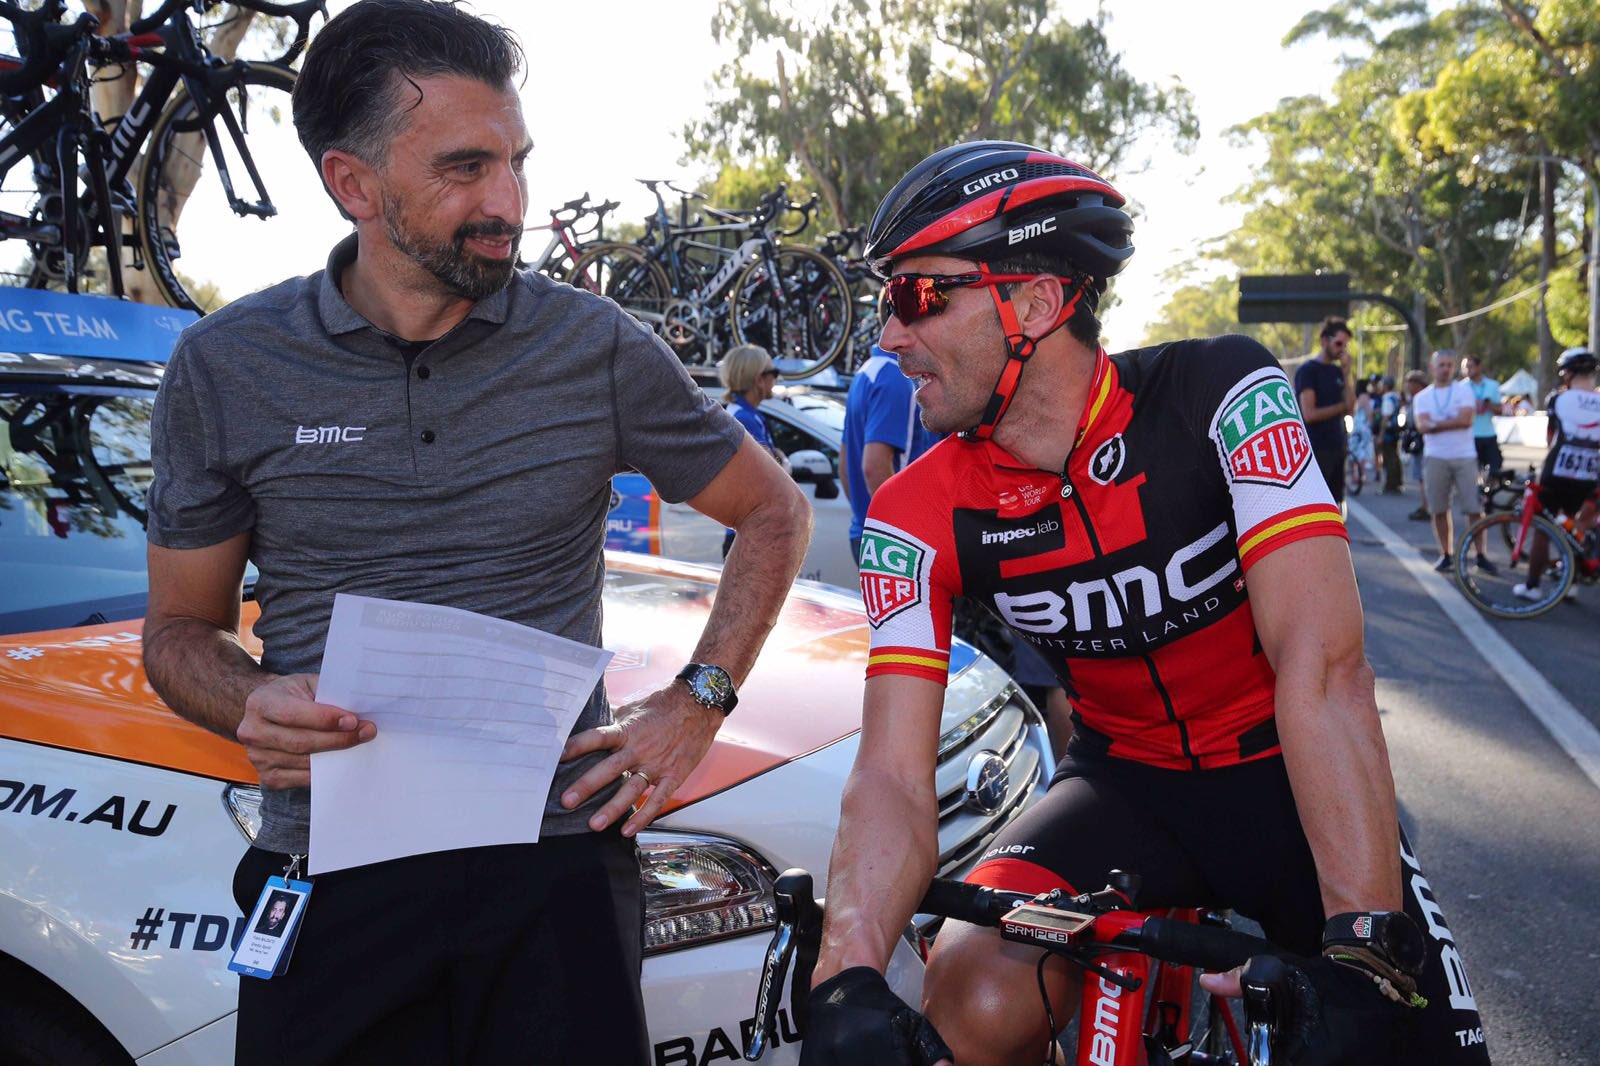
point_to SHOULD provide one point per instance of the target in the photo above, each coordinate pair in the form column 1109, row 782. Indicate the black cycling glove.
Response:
column 1339, row 1016
column 855, row 1019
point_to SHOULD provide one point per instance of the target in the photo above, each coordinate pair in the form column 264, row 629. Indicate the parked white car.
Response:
column 120, row 824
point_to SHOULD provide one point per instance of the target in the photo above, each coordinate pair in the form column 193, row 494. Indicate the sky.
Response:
column 613, row 82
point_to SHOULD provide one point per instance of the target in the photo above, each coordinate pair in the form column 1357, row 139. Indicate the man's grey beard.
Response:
column 458, row 270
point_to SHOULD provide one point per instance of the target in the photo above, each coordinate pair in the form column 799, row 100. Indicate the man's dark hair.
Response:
column 358, row 80
column 1083, row 325
column 1332, row 326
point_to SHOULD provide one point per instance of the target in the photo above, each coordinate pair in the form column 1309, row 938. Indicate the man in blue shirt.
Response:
column 1326, row 395
column 1486, row 391
column 882, row 433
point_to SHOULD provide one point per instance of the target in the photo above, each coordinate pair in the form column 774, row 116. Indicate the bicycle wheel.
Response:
column 197, row 243
column 1494, row 589
column 625, row 273
column 807, row 330
column 1355, row 474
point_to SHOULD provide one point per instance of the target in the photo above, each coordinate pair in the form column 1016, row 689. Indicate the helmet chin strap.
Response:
column 1019, row 349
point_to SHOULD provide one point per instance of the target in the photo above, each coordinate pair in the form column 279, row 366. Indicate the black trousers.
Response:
column 1331, row 462
column 526, row 953
column 1390, row 451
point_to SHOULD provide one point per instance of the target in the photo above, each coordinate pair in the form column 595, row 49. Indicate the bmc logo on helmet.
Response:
column 1031, row 230
column 978, row 184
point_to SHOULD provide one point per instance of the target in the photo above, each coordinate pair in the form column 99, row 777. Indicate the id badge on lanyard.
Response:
column 274, row 924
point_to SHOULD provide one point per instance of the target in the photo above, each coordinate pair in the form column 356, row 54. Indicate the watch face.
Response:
column 711, row 686
column 1402, row 939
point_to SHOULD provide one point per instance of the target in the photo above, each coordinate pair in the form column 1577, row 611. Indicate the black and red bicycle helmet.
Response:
column 989, row 201
column 986, row 200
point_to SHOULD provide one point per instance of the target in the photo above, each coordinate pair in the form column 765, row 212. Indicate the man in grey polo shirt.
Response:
column 422, row 422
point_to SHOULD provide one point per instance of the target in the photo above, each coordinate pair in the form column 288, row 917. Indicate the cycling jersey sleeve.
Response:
column 909, row 575
column 1240, row 398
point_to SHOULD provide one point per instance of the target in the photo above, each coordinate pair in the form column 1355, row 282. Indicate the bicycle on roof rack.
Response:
column 567, row 240
column 704, row 286
column 193, row 106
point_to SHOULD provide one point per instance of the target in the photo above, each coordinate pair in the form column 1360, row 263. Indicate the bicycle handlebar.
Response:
column 302, row 14
column 798, row 937
column 36, row 55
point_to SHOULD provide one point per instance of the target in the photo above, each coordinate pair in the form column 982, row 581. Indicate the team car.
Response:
column 121, row 824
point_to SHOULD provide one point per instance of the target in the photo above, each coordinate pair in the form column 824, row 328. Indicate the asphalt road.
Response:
column 1505, row 822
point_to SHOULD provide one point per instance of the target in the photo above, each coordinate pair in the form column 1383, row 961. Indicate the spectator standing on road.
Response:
column 1416, row 381
column 1361, row 449
column 482, row 413
column 1445, row 410
column 1486, row 392
column 750, row 377
column 1326, row 395
column 882, row 433
column 1386, row 429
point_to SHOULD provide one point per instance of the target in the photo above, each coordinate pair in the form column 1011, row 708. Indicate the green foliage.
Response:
column 1417, row 174
column 846, row 101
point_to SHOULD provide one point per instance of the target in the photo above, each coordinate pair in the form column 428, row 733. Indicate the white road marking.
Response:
column 1576, row 735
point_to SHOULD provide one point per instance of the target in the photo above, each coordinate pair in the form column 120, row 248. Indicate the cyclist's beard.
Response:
column 458, row 270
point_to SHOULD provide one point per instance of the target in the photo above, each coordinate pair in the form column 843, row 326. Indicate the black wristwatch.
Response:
column 710, row 686
column 1392, row 934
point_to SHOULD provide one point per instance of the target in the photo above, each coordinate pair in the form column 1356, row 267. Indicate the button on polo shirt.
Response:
column 482, row 484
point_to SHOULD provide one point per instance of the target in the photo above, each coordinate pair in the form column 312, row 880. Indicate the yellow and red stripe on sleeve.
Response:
column 1286, row 527
column 926, row 663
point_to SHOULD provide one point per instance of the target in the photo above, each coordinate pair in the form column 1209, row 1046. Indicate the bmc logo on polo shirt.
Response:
column 328, row 434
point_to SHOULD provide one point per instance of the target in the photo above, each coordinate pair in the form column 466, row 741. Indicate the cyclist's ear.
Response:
column 1038, row 303
column 354, row 185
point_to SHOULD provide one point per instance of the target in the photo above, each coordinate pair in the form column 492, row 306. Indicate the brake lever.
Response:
column 797, row 938
column 1265, row 983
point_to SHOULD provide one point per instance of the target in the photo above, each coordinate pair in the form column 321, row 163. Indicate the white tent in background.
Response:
column 1521, row 383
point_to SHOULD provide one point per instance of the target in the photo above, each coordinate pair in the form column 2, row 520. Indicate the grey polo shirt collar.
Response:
column 339, row 317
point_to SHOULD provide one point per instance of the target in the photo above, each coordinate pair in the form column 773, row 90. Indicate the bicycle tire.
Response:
column 1355, row 475
column 163, row 172
column 801, row 346
column 624, row 273
column 1492, row 593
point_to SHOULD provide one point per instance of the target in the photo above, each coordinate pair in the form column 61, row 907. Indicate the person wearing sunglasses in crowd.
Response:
column 1155, row 525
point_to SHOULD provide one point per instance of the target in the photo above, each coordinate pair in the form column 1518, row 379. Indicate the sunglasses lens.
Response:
column 915, row 298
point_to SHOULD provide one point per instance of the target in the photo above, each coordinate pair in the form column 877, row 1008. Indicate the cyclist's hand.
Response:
column 283, row 724
column 857, row 1020
column 1337, row 1015
column 658, row 740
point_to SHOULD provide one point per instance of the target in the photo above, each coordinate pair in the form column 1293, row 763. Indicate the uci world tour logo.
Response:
column 890, row 568
column 1262, row 435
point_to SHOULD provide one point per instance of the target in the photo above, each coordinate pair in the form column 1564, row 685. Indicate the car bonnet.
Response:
column 84, row 689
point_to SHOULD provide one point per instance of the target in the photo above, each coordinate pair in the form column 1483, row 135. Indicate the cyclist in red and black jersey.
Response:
column 1154, row 524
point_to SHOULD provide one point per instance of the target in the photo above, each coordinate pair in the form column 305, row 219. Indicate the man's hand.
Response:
column 283, row 724
column 658, row 740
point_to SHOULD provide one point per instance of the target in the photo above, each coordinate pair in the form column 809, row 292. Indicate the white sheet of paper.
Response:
column 472, row 713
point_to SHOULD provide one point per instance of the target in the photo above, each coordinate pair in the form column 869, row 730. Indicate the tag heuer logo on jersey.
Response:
column 891, row 571
column 1261, row 433
column 1106, row 462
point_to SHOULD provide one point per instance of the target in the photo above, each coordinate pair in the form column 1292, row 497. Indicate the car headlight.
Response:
column 244, row 803
column 698, row 889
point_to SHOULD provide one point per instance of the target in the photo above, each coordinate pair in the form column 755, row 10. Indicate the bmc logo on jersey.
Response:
column 891, row 575
column 1261, row 434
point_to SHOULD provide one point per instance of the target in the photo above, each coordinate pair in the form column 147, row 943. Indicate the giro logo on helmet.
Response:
column 979, row 184
column 1031, row 230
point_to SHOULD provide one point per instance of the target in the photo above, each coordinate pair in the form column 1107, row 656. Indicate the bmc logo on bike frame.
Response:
column 1261, row 434
column 891, row 575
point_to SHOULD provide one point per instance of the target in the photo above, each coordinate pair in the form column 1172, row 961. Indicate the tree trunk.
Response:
column 1548, row 176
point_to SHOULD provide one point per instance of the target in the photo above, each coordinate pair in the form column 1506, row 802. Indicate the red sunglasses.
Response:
column 914, row 297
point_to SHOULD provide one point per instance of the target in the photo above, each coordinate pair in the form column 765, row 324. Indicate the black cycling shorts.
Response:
column 1565, row 495
column 1228, row 838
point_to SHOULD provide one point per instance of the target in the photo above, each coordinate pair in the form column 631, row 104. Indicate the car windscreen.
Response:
column 74, row 470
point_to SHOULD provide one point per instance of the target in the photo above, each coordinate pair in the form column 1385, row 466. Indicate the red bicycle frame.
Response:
column 1114, row 1021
